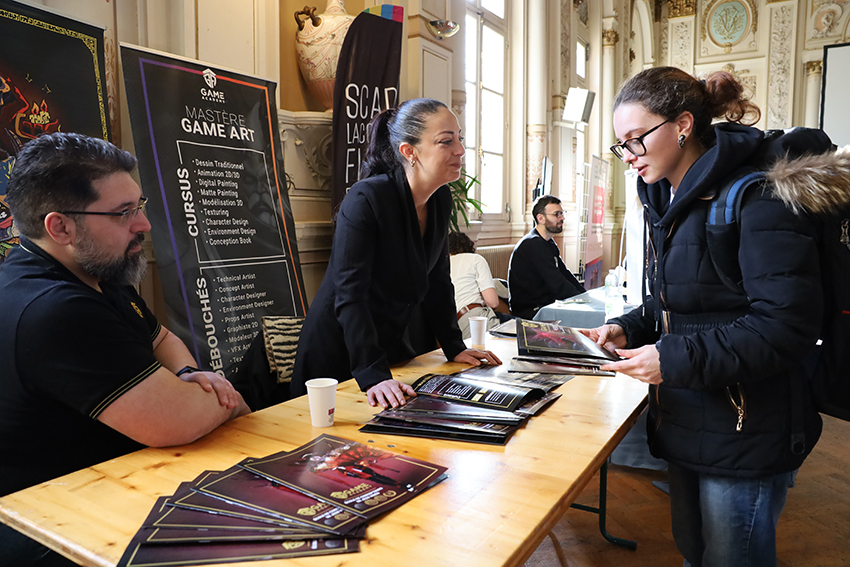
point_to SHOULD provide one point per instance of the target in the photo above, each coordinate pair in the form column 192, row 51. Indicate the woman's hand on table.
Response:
column 475, row 357
column 389, row 393
column 642, row 363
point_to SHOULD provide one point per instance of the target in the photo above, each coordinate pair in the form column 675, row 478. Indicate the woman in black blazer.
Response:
column 389, row 256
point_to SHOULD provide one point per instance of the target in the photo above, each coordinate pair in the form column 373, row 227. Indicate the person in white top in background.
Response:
column 475, row 292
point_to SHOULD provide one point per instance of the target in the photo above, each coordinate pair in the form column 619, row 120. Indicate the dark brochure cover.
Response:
column 523, row 364
column 169, row 524
column 501, row 374
column 360, row 478
column 536, row 337
column 140, row 554
column 245, row 488
column 185, row 497
column 448, row 409
column 494, row 435
column 482, row 393
column 166, row 516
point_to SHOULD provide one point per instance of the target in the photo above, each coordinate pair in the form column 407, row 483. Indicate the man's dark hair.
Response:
column 459, row 243
column 540, row 204
column 54, row 172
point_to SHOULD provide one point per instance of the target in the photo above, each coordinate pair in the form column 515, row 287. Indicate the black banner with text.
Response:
column 367, row 81
column 210, row 163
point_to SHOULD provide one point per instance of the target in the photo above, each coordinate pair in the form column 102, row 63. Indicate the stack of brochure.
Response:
column 484, row 405
column 551, row 348
column 315, row 500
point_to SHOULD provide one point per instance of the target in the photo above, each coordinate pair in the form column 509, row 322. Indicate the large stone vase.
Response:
column 317, row 45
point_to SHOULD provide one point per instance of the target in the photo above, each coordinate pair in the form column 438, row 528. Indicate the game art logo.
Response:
column 210, row 94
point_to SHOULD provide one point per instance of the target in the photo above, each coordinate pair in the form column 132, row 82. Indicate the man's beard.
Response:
column 554, row 228
column 127, row 270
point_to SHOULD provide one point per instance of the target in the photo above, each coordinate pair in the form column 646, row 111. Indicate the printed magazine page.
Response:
column 488, row 394
column 535, row 337
column 362, row 479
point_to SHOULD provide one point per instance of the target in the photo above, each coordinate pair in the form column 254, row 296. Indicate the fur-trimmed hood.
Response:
column 815, row 184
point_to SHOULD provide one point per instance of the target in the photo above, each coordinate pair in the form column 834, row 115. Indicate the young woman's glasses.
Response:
column 634, row 145
column 125, row 216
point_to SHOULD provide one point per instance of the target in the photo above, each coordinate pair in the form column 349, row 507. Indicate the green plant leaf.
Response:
column 461, row 199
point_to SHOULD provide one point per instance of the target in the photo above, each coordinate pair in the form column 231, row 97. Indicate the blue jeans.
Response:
column 721, row 521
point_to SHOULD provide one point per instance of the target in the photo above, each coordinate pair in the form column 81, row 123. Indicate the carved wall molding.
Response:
column 111, row 65
column 536, row 148
column 459, row 103
column 779, row 80
column 664, row 40
column 681, row 8
column 306, row 140
column 565, row 67
column 682, row 43
column 610, row 38
column 825, row 21
column 814, row 67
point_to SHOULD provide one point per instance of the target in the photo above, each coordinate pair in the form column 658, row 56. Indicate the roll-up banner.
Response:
column 367, row 81
column 52, row 78
column 210, row 163
column 595, row 217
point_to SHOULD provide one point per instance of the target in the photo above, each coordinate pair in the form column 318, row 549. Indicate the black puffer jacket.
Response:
column 734, row 399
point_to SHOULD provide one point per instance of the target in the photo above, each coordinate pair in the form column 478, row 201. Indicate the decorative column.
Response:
column 612, row 221
column 537, row 91
column 814, row 74
column 609, row 88
column 780, row 61
column 681, row 29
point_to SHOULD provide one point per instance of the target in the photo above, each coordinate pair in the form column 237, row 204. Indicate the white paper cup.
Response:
column 478, row 329
column 321, row 393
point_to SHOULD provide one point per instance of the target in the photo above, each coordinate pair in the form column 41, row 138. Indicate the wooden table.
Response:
column 497, row 505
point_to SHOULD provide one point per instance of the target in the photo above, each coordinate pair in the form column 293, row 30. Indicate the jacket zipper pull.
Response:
column 740, row 408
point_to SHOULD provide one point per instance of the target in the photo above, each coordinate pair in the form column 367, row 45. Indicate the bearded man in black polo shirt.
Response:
column 536, row 274
column 88, row 373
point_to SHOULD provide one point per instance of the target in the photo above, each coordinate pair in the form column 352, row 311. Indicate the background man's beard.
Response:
column 554, row 228
column 127, row 270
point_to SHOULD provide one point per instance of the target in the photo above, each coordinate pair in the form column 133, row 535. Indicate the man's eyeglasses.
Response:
column 634, row 145
column 125, row 216
column 556, row 214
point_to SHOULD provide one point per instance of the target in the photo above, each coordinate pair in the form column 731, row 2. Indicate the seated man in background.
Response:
column 536, row 274
column 88, row 373
column 475, row 293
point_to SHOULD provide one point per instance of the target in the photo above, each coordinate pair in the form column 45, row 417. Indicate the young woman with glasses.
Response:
column 724, row 367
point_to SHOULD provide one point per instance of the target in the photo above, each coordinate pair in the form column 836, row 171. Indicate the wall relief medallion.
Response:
column 825, row 20
column 728, row 25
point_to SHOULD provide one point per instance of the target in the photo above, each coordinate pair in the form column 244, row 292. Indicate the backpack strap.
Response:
column 722, row 228
column 723, row 233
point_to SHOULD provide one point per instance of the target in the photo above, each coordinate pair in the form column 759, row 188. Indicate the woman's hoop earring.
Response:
column 682, row 141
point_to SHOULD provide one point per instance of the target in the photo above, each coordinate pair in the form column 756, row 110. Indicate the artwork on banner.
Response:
column 367, row 82
column 52, row 78
column 595, row 216
column 222, row 227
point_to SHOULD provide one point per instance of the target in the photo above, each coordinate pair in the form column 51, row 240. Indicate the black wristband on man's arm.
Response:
column 186, row 369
